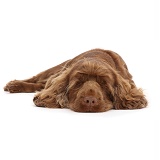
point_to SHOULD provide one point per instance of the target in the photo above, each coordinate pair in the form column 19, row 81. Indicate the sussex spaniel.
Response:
column 95, row 81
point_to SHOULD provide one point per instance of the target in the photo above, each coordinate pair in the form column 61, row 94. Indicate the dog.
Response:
column 95, row 81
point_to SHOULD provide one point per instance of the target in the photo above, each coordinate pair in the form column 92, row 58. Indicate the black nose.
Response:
column 90, row 101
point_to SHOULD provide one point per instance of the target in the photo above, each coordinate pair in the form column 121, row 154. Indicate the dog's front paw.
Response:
column 44, row 101
column 38, row 101
column 137, row 104
column 14, row 87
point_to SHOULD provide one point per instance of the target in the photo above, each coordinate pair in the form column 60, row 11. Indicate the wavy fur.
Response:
column 94, row 81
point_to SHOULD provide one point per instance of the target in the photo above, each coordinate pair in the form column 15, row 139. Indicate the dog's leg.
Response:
column 18, row 86
column 36, row 83
column 45, row 99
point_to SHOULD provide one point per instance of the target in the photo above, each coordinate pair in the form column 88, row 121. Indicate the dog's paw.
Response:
column 137, row 104
column 44, row 101
column 14, row 86
column 38, row 102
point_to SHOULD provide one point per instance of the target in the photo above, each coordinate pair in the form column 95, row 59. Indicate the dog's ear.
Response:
column 58, row 87
column 127, row 96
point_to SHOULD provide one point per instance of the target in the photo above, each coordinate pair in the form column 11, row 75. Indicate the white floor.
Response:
column 38, row 133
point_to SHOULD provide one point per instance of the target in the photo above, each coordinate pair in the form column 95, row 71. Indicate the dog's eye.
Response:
column 101, row 81
column 111, row 97
column 78, row 84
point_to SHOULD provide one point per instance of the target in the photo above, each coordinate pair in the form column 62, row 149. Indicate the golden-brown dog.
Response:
column 95, row 81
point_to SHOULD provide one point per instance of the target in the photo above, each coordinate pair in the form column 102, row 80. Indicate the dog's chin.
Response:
column 84, row 109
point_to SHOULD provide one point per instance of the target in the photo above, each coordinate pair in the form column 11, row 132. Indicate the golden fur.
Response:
column 94, row 81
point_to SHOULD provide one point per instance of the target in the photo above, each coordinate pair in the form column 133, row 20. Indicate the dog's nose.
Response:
column 90, row 101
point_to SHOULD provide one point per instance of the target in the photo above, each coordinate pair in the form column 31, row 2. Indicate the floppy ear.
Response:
column 128, row 96
column 59, row 86
column 55, row 92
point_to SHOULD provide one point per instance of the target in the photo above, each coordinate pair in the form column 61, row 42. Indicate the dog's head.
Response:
column 87, row 86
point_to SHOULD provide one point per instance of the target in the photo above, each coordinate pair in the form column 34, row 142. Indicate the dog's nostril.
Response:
column 90, row 101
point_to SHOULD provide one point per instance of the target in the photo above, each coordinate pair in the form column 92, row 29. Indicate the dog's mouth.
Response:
column 91, row 107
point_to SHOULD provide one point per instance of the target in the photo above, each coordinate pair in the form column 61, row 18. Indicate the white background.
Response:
column 36, row 35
